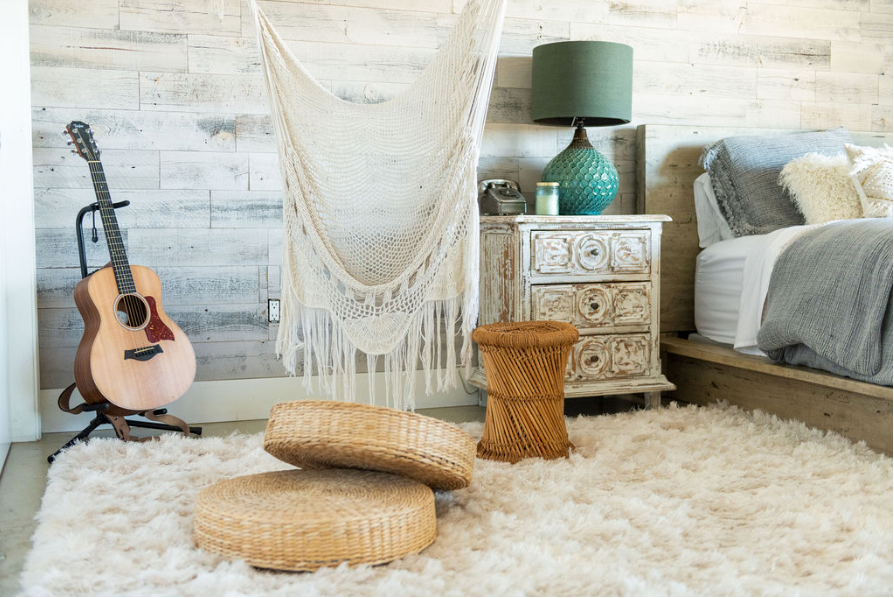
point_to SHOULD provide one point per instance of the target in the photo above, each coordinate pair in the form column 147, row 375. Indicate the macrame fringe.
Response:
column 313, row 342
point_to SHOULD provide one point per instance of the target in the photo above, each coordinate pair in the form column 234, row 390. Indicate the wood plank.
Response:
column 521, row 36
column 876, row 26
column 800, row 22
column 856, row 57
column 246, row 209
column 881, row 118
column 886, row 90
column 197, row 247
column 222, row 54
column 762, row 51
column 658, row 45
column 107, row 48
column 731, row 112
column 99, row 13
column 56, row 208
column 822, row 115
column 509, row 105
column 513, row 71
column 221, row 322
column 680, row 80
column 203, row 93
column 848, row 88
column 642, row 13
column 56, row 366
column 727, row 356
column 348, row 24
column 57, row 248
column 362, row 62
column 181, row 16
column 264, row 172
column 522, row 141
column 786, row 84
column 820, row 400
column 237, row 359
column 124, row 169
column 181, row 285
column 720, row 16
column 254, row 133
column 204, row 170
column 84, row 88
column 139, row 130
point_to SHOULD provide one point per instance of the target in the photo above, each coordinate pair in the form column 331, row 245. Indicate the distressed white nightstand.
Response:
column 600, row 273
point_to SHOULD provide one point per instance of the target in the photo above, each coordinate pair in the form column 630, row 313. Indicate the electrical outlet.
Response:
column 273, row 311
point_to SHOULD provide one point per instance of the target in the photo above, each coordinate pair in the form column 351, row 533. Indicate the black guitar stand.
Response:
column 162, row 420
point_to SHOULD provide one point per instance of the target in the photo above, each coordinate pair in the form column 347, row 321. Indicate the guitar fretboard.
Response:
column 120, row 265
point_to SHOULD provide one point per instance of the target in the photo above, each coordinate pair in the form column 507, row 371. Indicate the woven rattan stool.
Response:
column 302, row 520
column 323, row 434
column 525, row 367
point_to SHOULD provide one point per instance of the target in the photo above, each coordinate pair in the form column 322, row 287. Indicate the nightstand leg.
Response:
column 653, row 400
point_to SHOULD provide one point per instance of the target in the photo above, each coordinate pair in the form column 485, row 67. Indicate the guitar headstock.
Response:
column 82, row 138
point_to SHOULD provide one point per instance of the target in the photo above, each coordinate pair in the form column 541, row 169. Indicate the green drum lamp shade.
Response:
column 585, row 83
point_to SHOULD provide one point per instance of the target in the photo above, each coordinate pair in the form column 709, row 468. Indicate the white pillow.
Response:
column 712, row 226
column 870, row 170
column 821, row 188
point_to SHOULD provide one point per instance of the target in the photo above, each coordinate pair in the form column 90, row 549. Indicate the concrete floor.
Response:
column 23, row 479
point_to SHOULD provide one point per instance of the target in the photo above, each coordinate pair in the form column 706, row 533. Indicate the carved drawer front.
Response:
column 583, row 252
column 593, row 305
column 609, row 356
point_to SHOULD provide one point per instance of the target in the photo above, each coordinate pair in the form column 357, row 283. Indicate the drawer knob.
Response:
column 594, row 358
column 594, row 252
column 594, row 306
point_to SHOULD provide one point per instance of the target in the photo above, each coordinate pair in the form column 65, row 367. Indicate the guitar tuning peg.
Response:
column 69, row 143
column 73, row 151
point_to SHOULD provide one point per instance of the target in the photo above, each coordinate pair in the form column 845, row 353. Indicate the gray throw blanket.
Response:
column 829, row 303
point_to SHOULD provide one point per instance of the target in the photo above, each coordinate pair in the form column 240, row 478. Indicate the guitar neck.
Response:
column 118, row 256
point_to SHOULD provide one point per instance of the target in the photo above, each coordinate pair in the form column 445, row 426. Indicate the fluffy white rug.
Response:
column 680, row 501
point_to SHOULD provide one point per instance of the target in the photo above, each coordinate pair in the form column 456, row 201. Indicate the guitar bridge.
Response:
column 143, row 353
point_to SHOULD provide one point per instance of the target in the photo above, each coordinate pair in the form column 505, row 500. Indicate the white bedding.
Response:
column 731, row 282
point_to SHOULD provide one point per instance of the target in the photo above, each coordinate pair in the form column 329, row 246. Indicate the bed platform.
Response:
column 704, row 373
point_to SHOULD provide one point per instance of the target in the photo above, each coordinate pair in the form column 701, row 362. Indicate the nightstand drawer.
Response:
column 593, row 305
column 609, row 356
column 589, row 252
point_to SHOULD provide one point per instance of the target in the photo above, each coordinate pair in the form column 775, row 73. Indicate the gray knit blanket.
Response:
column 829, row 303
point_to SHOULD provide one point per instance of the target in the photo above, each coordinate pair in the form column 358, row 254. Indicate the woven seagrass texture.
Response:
column 324, row 434
column 300, row 520
column 525, row 367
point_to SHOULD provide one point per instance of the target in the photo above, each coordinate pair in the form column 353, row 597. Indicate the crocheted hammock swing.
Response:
column 380, row 234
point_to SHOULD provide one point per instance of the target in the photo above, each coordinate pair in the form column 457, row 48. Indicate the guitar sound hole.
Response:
column 132, row 311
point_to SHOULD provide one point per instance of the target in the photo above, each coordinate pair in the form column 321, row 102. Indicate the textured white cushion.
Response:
column 870, row 170
column 712, row 226
column 821, row 187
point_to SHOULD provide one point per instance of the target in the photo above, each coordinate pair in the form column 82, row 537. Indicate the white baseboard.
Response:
column 239, row 400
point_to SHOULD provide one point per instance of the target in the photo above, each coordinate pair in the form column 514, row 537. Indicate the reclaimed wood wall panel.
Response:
column 175, row 95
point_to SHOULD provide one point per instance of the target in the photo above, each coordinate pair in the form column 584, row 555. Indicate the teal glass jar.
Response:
column 546, row 199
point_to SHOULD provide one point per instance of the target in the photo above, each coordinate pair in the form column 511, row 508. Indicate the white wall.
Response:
column 18, row 307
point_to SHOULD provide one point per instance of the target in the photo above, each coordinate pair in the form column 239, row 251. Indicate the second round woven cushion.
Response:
column 300, row 520
column 323, row 434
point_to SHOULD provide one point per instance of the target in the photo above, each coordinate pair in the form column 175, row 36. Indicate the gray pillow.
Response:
column 745, row 175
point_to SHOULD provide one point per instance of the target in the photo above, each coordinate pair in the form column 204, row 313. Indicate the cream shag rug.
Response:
column 680, row 501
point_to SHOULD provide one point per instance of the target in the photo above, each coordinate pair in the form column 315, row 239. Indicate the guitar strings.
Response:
column 120, row 265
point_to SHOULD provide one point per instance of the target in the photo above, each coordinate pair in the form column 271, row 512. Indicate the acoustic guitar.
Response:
column 132, row 355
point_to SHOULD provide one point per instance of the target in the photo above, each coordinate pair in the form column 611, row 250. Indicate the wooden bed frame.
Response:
column 667, row 166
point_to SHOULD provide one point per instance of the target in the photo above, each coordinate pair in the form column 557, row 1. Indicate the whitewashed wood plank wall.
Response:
column 174, row 93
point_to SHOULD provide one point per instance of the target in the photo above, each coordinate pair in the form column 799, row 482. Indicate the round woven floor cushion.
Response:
column 323, row 434
column 301, row 520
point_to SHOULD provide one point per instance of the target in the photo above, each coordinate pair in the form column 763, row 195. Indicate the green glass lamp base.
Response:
column 588, row 181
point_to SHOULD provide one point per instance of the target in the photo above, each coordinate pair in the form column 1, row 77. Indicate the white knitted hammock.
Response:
column 380, row 235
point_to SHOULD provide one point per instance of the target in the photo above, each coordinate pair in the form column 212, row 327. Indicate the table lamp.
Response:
column 582, row 83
